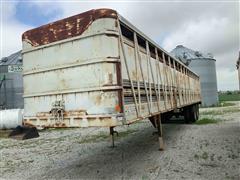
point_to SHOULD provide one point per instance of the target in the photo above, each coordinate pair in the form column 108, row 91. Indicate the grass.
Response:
column 4, row 133
column 206, row 121
column 229, row 97
column 204, row 156
column 224, row 104
column 221, row 104
column 220, row 112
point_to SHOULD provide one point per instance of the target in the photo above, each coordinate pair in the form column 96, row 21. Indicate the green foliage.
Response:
column 222, row 104
column 204, row 156
column 206, row 121
column 4, row 133
column 225, row 104
column 220, row 112
column 229, row 96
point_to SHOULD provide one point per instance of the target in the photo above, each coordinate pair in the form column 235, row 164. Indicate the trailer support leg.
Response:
column 112, row 136
column 160, row 133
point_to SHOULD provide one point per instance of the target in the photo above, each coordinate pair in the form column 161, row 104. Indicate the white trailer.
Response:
column 97, row 69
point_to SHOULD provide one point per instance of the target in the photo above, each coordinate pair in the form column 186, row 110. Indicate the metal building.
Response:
column 11, row 82
column 205, row 66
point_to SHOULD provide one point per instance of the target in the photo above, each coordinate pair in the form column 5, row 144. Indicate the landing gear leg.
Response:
column 112, row 136
column 160, row 133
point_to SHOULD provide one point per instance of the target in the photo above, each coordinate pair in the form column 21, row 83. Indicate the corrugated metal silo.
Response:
column 205, row 66
column 11, row 82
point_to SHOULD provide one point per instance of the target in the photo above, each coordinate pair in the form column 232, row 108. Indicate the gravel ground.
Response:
column 210, row 151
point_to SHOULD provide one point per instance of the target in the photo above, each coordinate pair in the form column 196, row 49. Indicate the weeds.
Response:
column 206, row 121
column 229, row 97
column 225, row 104
column 221, row 104
column 220, row 112
column 204, row 156
column 4, row 133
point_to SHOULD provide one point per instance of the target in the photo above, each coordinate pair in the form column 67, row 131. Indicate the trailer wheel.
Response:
column 190, row 114
column 197, row 111
column 194, row 113
column 186, row 114
column 165, row 117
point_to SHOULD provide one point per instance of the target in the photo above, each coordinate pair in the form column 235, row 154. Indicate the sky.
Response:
column 206, row 26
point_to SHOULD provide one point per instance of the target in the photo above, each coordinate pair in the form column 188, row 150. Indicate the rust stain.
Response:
column 98, row 100
column 80, row 112
column 43, row 114
column 66, row 28
column 60, row 124
column 26, row 123
column 134, row 75
column 110, row 78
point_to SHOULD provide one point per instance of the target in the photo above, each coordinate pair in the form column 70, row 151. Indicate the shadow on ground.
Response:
column 126, row 160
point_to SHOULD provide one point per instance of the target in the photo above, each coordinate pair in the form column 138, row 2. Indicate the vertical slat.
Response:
column 141, row 69
column 166, row 74
column 151, row 69
column 149, row 83
column 189, row 90
column 179, row 87
column 171, row 81
column 176, row 81
column 185, row 85
column 138, row 83
column 128, row 73
column 161, row 80
column 173, row 70
column 158, row 78
column 120, row 81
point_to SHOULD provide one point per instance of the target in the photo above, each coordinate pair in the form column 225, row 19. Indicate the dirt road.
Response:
column 209, row 151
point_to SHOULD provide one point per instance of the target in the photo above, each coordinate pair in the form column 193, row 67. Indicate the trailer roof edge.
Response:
column 131, row 26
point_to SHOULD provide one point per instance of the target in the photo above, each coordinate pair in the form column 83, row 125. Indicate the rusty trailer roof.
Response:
column 65, row 28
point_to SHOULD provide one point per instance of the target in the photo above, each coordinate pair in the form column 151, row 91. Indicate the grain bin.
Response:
column 205, row 66
column 11, row 82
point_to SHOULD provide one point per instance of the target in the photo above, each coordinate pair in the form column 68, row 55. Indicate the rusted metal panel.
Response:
column 66, row 28
column 101, row 77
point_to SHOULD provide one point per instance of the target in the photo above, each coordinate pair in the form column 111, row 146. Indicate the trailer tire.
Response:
column 190, row 114
column 186, row 114
column 194, row 114
column 165, row 117
column 197, row 111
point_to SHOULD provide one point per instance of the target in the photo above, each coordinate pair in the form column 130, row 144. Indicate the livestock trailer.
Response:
column 97, row 69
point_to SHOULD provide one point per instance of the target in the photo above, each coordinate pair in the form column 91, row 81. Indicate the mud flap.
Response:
column 24, row 132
